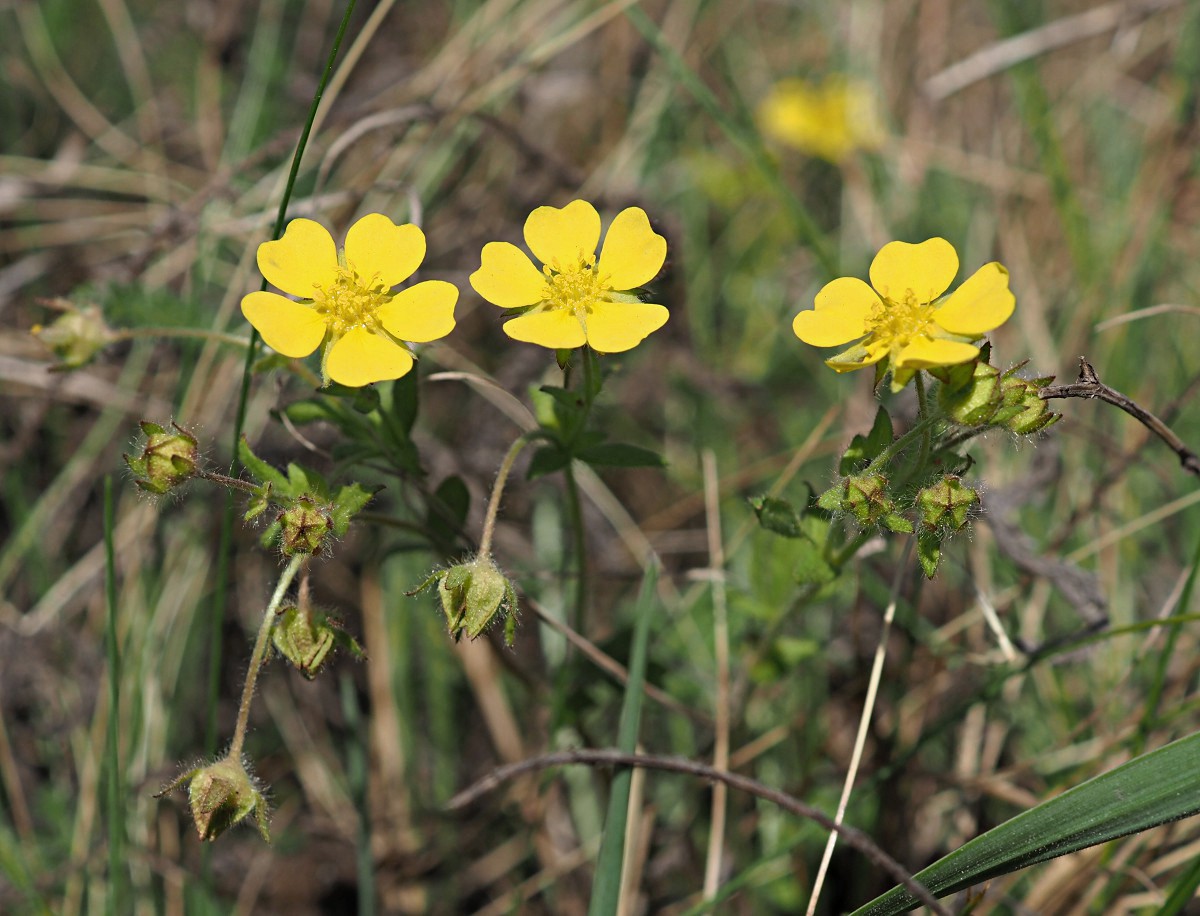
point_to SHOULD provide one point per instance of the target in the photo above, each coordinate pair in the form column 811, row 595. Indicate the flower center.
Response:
column 576, row 287
column 894, row 323
column 351, row 301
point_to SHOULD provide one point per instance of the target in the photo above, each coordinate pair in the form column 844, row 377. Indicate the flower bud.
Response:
column 473, row 594
column 76, row 336
column 167, row 460
column 304, row 527
column 1026, row 412
column 976, row 399
column 306, row 637
column 222, row 794
column 946, row 504
column 866, row 498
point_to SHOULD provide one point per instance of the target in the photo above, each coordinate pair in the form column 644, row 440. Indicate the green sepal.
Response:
column 929, row 551
column 547, row 460
column 346, row 504
column 778, row 516
column 261, row 470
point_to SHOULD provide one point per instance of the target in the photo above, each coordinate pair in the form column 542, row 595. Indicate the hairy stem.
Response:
column 259, row 655
column 489, row 522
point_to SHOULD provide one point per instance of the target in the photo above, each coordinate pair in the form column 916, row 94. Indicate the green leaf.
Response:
column 307, row 411
column 778, row 516
column 863, row 449
column 260, row 469
column 348, row 502
column 606, row 887
column 547, row 460
column 620, row 455
column 405, row 401
column 812, row 567
column 364, row 400
column 1149, row 790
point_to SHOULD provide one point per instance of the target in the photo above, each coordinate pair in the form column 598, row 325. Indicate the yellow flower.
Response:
column 347, row 302
column 574, row 299
column 830, row 120
column 902, row 318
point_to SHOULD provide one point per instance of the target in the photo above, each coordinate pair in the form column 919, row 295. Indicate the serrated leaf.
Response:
column 348, row 502
column 547, row 460
column 620, row 455
column 1153, row 789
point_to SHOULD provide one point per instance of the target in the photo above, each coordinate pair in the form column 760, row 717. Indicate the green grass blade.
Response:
column 1153, row 789
column 116, row 805
column 606, row 888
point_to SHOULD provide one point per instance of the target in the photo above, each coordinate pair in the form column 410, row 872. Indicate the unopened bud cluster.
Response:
column 306, row 637
column 946, row 505
column 979, row 394
column 76, row 336
column 305, row 527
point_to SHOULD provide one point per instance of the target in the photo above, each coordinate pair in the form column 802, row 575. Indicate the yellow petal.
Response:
column 633, row 252
column 422, row 312
column 924, row 352
column 507, row 278
column 563, row 236
column 303, row 259
column 359, row 358
column 983, row 302
column 926, row 269
column 614, row 327
column 554, row 328
column 840, row 316
column 382, row 252
column 287, row 327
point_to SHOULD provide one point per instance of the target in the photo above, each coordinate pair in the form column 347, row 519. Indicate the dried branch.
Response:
column 1088, row 385
column 598, row 758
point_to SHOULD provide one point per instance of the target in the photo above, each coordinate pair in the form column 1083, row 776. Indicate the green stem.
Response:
column 489, row 522
column 922, row 415
column 226, row 542
column 260, row 652
column 233, row 483
column 921, row 428
column 574, row 507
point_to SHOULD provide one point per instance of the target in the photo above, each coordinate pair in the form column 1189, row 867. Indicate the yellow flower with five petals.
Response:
column 574, row 298
column 904, row 319
column 347, row 303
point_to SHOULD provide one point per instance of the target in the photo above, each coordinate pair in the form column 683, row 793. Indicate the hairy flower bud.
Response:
column 976, row 399
column 473, row 595
column 307, row 636
column 1025, row 411
column 304, row 527
column 866, row 498
column 946, row 504
column 220, row 795
column 168, row 459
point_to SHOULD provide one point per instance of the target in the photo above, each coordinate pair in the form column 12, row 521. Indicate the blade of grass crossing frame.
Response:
column 1150, row 790
column 356, row 774
column 606, row 886
column 114, row 904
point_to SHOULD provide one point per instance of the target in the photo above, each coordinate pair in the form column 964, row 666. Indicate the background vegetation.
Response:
column 143, row 148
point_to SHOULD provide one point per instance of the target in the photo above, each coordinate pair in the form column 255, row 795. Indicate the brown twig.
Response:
column 852, row 836
column 1088, row 385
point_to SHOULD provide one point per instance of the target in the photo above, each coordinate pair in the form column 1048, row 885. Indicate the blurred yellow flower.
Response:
column 575, row 299
column 902, row 318
column 347, row 302
column 831, row 119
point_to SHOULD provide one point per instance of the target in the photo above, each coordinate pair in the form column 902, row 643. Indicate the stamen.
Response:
column 351, row 301
column 895, row 323
column 576, row 287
